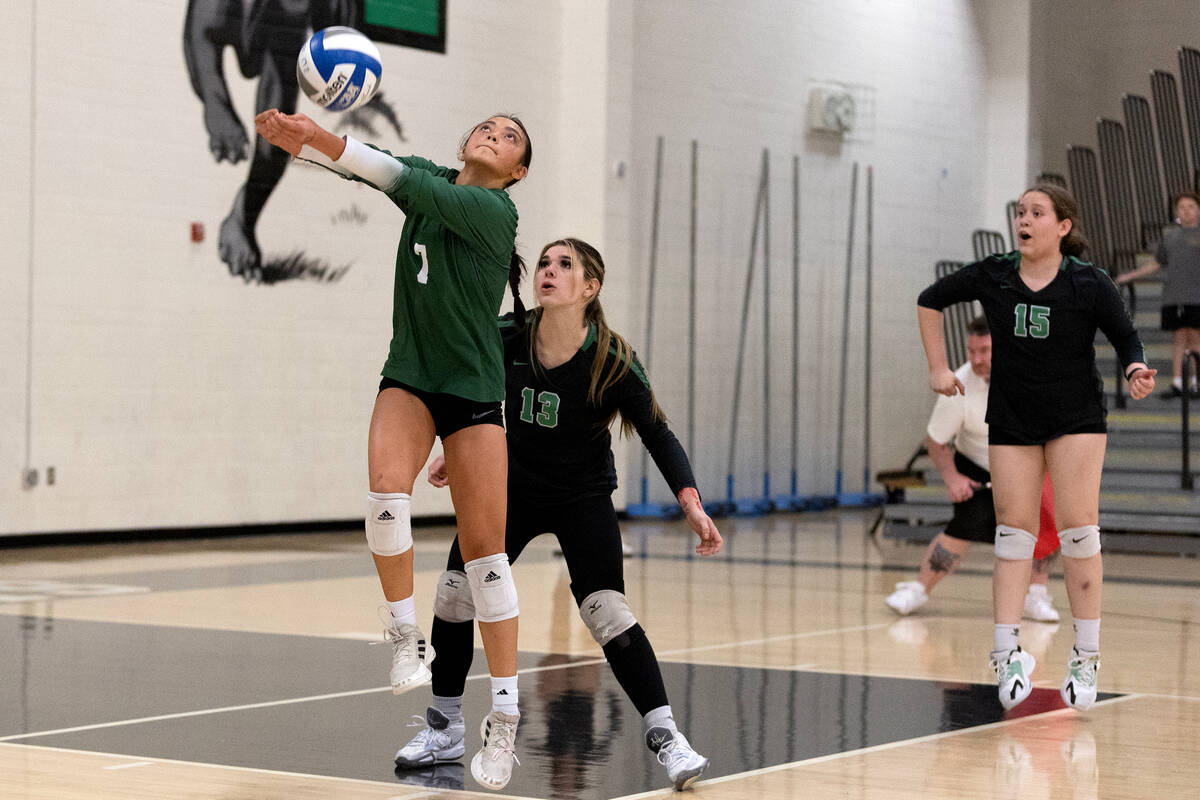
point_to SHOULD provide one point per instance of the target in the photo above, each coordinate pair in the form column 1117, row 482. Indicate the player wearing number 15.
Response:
column 1045, row 413
column 444, row 376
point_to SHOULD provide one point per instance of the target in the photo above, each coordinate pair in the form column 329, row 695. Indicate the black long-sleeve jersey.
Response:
column 558, row 447
column 1044, row 380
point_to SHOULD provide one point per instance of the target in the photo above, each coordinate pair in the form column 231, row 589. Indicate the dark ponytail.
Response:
column 516, row 271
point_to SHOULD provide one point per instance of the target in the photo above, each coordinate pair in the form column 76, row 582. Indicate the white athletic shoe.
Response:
column 908, row 597
column 411, row 655
column 492, row 766
column 438, row 742
column 684, row 765
column 1013, row 668
column 1079, row 687
column 1039, row 606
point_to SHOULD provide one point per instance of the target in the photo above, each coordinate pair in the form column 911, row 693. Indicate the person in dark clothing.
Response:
column 568, row 377
column 1045, row 413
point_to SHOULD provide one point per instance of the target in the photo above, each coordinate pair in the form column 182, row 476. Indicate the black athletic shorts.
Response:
column 974, row 519
column 451, row 413
column 1176, row 317
column 1000, row 436
column 586, row 529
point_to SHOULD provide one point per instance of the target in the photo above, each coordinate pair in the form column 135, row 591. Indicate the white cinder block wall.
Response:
column 166, row 393
column 737, row 79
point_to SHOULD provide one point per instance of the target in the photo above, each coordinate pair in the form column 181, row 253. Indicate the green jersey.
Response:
column 451, row 271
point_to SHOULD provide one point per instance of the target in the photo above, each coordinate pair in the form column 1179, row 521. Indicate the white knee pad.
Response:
column 1083, row 542
column 453, row 602
column 607, row 615
column 389, row 529
column 1014, row 544
column 492, row 588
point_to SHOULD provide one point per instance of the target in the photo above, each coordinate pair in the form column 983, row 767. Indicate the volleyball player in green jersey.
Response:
column 444, row 377
column 568, row 378
column 1045, row 413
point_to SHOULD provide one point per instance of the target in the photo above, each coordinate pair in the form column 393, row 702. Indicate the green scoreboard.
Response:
column 411, row 23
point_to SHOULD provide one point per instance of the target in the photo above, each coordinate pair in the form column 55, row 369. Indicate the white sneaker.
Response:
column 492, row 766
column 1039, row 606
column 1013, row 668
column 684, row 765
column 908, row 597
column 1079, row 688
column 439, row 741
column 411, row 655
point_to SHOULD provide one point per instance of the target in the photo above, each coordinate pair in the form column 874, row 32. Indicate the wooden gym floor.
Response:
column 241, row 668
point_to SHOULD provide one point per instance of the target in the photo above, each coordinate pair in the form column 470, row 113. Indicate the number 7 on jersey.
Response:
column 423, row 275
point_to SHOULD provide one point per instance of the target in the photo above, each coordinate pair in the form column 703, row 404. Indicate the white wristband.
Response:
column 373, row 166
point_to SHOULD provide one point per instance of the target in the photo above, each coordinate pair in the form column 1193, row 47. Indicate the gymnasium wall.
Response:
column 737, row 83
column 165, row 392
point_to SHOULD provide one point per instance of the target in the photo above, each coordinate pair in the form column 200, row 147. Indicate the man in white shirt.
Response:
column 957, row 441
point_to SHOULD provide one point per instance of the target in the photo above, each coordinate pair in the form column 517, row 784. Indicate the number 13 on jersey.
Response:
column 1032, row 321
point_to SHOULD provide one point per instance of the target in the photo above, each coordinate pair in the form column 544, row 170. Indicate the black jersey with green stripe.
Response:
column 1044, row 380
column 451, row 273
column 558, row 449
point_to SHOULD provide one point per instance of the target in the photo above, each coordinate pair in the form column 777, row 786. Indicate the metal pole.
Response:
column 867, row 335
column 691, row 379
column 841, row 426
column 795, row 319
column 643, row 507
column 766, row 431
column 737, row 374
column 1190, row 359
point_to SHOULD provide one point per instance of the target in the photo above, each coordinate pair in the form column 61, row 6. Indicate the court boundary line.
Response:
column 356, row 692
column 268, row 704
column 263, row 771
column 881, row 747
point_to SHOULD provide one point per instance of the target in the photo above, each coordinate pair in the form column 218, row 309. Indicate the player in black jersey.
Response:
column 1045, row 413
column 443, row 378
column 568, row 377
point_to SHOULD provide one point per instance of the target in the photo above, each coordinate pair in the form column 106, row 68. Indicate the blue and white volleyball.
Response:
column 339, row 68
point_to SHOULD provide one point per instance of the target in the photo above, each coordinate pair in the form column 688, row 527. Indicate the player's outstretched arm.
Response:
column 700, row 522
column 292, row 131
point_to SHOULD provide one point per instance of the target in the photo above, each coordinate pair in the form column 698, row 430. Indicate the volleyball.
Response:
column 339, row 68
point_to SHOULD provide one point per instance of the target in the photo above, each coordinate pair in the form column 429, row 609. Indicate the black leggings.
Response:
column 590, row 538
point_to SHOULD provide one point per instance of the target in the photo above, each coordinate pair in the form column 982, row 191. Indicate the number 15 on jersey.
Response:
column 1032, row 321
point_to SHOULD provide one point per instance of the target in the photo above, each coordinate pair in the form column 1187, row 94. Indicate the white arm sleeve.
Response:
column 315, row 156
column 377, row 168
